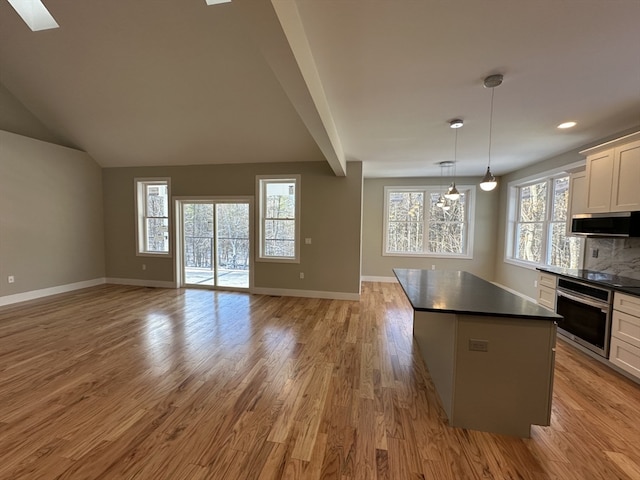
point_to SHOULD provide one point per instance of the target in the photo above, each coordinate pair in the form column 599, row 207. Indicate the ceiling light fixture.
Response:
column 34, row 14
column 217, row 2
column 453, row 193
column 489, row 182
column 567, row 125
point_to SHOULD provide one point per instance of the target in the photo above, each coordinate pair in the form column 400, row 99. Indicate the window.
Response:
column 539, row 235
column 152, row 214
column 279, row 218
column 416, row 226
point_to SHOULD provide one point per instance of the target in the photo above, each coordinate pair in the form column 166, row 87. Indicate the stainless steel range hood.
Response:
column 616, row 224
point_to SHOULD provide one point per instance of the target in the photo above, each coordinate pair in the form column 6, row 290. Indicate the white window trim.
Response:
column 139, row 219
column 260, row 192
column 512, row 205
column 470, row 217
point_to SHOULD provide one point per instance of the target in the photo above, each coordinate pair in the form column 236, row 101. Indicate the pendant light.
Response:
column 442, row 203
column 489, row 182
column 453, row 193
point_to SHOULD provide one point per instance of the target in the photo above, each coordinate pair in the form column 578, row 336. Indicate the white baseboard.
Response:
column 285, row 292
column 136, row 282
column 46, row 292
column 515, row 292
column 368, row 278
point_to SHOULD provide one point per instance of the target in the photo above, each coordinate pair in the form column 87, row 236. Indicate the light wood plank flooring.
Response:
column 125, row 382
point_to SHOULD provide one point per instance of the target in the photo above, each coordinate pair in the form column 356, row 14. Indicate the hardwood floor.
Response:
column 126, row 382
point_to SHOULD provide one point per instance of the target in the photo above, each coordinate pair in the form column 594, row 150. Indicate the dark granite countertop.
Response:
column 602, row 279
column 463, row 293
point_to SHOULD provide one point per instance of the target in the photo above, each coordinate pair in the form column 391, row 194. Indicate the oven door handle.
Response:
column 579, row 298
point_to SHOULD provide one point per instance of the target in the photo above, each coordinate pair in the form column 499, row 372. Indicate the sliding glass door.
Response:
column 216, row 243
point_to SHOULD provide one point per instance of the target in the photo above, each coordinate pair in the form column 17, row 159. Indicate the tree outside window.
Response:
column 416, row 225
column 540, row 228
column 279, row 218
column 152, row 207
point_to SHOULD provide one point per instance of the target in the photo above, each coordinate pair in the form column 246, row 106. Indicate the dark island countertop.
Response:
column 461, row 292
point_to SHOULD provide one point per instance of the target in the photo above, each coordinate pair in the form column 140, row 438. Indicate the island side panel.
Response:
column 509, row 387
column 435, row 335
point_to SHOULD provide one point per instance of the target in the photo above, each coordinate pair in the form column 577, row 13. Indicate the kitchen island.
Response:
column 490, row 353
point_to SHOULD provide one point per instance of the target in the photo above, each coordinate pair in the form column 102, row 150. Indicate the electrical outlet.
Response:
column 301, row 275
column 11, row 279
column 595, row 252
column 144, row 266
column 307, row 241
column 433, row 267
column 478, row 345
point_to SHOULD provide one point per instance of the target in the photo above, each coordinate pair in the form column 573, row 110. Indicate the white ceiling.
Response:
column 169, row 82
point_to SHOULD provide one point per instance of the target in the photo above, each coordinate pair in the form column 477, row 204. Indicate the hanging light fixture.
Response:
column 442, row 203
column 453, row 193
column 489, row 182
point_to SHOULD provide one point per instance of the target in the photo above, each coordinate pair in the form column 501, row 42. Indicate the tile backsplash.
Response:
column 619, row 256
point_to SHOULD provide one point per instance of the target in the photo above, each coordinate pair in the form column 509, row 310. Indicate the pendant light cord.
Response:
column 455, row 155
column 493, row 91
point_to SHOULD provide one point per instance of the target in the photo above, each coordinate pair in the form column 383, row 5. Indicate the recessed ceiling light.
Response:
column 567, row 125
column 34, row 14
column 216, row 2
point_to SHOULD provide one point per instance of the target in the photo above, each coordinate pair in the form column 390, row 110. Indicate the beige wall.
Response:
column 15, row 118
column 51, row 224
column 330, row 216
column 374, row 264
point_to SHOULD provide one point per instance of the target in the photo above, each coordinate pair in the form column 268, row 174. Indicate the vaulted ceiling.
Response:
column 171, row 82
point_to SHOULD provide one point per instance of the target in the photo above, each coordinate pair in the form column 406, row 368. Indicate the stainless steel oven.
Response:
column 586, row 314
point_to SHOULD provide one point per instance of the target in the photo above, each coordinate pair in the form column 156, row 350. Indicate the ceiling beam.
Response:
column 279, row 33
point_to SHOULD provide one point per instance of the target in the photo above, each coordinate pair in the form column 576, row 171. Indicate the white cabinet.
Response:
column 613, row 176
column 599, row 181
column 577, row 196
column 625, row 333
column 625, row 193
column 577, row 193
column 547, row 290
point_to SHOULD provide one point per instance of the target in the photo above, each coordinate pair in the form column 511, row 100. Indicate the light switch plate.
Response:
column 478, row 345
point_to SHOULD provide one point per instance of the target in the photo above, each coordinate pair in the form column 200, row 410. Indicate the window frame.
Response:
column 513, row 214
column 140, row 187
column 468, row 190
column 261, row 183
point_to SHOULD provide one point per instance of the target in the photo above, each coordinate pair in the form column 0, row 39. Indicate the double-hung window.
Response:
column 416, row 223
column 279, row 210
column 152, row 216
column 538, row 234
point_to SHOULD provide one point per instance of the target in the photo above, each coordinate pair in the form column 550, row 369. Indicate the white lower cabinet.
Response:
column 625, row 333
column 625, row 356
column 547, row 290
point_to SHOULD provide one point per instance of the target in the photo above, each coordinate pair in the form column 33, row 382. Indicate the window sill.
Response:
column 277, row 260
column 428, row 255
column 527, row 265
column 155, row 255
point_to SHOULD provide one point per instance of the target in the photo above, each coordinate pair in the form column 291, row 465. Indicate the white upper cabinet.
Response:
column 599, row 181
column 625, row 194
column 613, row 176
column 577, row 193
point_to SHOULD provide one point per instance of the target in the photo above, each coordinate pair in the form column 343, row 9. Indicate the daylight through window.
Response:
column 279, row 218
column 416, row 225
column 539, row 235
column 153, row 216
